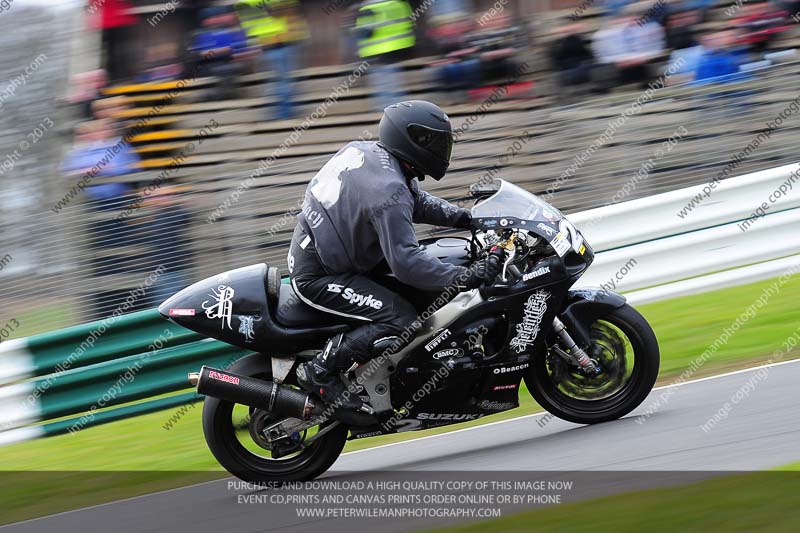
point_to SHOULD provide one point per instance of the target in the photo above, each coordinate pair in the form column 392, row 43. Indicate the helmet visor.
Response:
column 438, row 142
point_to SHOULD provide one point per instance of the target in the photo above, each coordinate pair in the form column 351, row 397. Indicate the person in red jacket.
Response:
column 116, row 21
column 760, row 23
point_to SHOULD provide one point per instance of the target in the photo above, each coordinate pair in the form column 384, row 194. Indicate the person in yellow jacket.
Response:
column 385, row 31
column 277, row 27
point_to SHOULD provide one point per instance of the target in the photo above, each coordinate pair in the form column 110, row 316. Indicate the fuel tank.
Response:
column 453, row 250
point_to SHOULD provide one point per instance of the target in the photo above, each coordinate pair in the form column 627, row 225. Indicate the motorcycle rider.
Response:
column 358, row 211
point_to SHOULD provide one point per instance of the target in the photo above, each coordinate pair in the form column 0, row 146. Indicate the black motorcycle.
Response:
column 585, row 355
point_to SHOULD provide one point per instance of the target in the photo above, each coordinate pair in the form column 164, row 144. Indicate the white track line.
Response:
column 410, row 441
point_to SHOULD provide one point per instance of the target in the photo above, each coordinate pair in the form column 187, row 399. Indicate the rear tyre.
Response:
column 224, row 439
column 626, row 348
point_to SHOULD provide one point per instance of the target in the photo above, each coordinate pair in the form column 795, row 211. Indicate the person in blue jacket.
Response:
column 217, row 49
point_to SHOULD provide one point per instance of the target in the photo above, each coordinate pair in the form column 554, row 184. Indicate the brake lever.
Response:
column 509, row 257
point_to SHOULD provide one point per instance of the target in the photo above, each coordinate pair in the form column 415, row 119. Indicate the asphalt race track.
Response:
column 761, row 430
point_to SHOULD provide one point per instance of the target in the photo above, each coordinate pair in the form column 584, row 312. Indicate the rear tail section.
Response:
column 232, row 307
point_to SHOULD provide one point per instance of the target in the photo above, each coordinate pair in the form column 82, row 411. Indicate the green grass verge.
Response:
column 43, row 318
column 761, row 501
column 685, row 328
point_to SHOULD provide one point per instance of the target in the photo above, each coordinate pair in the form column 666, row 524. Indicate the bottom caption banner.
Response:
column 423, row 495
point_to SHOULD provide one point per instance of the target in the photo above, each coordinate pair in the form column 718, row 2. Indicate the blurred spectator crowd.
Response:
column 600, row 45
column 637, row 41
column 231, row 39
column 629, row 43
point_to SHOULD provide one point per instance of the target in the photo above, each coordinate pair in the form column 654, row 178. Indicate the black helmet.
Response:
column 419, row 133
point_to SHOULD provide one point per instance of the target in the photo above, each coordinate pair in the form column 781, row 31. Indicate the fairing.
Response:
column 512, row 207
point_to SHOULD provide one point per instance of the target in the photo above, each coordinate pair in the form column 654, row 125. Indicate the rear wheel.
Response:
column 625, row 347
column 233, row 434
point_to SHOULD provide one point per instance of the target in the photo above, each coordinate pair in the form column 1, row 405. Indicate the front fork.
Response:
column 575, row 355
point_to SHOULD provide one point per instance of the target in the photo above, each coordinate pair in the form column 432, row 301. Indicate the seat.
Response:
column 292, row 312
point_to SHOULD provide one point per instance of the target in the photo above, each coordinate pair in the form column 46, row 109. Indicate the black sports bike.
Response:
column 585, row 355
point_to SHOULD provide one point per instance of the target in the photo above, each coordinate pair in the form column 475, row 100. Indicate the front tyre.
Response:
column 227, row 429
column 624, row 345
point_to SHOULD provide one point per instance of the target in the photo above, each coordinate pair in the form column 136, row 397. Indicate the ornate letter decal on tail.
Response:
column 532, row 315
column 222, row 307
column 246, row 326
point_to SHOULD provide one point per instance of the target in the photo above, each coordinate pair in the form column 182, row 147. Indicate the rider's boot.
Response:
column 323, row 376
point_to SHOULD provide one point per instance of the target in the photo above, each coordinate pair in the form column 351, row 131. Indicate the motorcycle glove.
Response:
column 483, row 271
column 464, row 220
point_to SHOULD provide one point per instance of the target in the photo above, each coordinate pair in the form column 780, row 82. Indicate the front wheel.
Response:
column 233, row 433
column 625, row 347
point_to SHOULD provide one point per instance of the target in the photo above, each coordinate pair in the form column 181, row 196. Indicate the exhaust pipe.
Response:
column 244, row 390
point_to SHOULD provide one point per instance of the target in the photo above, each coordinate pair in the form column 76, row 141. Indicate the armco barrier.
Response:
column 668, row 248
column 104, row 371
column 87, row 344
column 112, row 382
column 97, row 370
